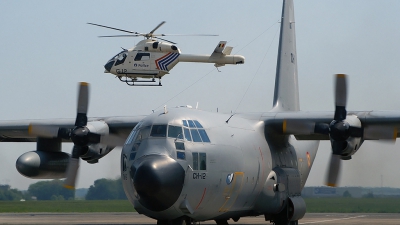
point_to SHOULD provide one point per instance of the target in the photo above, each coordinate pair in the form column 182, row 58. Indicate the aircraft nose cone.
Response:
column 109, row 65
column 158, row 180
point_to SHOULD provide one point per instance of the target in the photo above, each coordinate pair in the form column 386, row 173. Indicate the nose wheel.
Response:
column 140, row 82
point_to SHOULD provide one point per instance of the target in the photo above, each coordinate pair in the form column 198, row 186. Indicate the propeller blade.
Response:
column 338, row 146
column 113, row 28
column 333, row 171
column 158, row 26
column 83, row 102
column 47, row 131
column 321, row 128
column 72, row 169
column 340, row 97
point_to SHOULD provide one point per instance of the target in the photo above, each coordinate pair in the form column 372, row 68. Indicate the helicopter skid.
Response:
column 131, row 81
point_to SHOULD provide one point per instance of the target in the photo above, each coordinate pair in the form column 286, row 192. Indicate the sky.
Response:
column 47, row 47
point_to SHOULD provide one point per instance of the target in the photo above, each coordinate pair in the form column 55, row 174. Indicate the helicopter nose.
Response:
column 158, row 180
column 108, row 66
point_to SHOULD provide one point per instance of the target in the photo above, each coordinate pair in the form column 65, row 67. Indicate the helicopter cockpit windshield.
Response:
column 117, row 59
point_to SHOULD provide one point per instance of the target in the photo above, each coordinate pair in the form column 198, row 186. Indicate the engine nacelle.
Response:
column 43, row 165
column 97, row 151
column 353, row 143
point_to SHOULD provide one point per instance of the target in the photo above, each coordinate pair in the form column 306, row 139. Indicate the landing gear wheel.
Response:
column 181, row 221
column 222, row 222
column 162, row 222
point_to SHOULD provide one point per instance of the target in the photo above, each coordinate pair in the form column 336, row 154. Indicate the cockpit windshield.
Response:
column 121, row 58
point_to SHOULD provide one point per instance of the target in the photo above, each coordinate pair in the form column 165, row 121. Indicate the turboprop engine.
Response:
column 49, row 162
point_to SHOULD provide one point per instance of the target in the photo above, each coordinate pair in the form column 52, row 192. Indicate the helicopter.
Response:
column 154, row 57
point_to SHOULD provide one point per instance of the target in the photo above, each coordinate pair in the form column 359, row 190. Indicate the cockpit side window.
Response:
column 133, row 133
column 121, row 58
column 142, row 56
column 175, row 132
column 159, row 131
column 144, row 132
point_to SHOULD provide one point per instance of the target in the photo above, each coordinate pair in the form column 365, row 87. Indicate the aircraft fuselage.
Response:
column 234, row 170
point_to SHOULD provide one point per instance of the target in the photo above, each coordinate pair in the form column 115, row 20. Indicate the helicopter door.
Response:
column 142, row 61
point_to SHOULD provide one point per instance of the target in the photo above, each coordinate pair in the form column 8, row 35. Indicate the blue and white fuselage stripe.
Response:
column 163, row 63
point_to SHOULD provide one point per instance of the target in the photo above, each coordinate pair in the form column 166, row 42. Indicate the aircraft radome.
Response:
column 182, row 165
column 151, row 58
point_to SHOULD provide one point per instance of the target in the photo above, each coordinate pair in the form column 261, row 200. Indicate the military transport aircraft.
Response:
column 183, row 165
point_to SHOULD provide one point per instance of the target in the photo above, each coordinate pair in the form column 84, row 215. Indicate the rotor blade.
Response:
column 72, row 169
column 154, row 35
column 158, row 26
column 83, row 102
column 340, row 97
column 127, row 31
column 127, row 35
column 333, row 171
column 47, row 131
column 167, row 41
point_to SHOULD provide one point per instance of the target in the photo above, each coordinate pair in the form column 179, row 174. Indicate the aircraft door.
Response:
column 142, row 61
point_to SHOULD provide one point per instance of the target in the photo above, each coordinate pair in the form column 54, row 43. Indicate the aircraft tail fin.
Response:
column 286, row 94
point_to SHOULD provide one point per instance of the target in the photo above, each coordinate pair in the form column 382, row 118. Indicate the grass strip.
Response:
column 314, row 205
column 353, row 205
column 66, row 206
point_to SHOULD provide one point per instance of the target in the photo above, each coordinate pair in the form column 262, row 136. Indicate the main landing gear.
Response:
column 131, row 81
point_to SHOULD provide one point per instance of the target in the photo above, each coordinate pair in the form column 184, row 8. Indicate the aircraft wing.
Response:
column 375, row 125
column 17, row 131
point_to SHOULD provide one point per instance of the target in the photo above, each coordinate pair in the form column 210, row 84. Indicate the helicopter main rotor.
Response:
column 147, row 35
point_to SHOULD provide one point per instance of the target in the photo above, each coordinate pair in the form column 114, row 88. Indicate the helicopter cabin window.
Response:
column 142, row 56
column 175, row 132
column 159, row 131
column 121, row 58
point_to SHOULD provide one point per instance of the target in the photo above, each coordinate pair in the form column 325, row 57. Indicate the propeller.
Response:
column 147, row 35
column 339, row 130
column 80, row 135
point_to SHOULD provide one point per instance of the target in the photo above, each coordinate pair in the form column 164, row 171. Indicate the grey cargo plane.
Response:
column 183, row 165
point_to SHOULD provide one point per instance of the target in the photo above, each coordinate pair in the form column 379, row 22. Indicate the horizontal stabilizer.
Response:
column 227, row 50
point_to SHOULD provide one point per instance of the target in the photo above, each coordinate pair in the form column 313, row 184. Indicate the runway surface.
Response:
column 134, row 218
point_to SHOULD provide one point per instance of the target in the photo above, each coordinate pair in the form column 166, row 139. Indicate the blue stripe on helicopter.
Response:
column 165, row 62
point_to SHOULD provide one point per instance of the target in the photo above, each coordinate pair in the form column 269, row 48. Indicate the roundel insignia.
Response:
column 229, row 178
